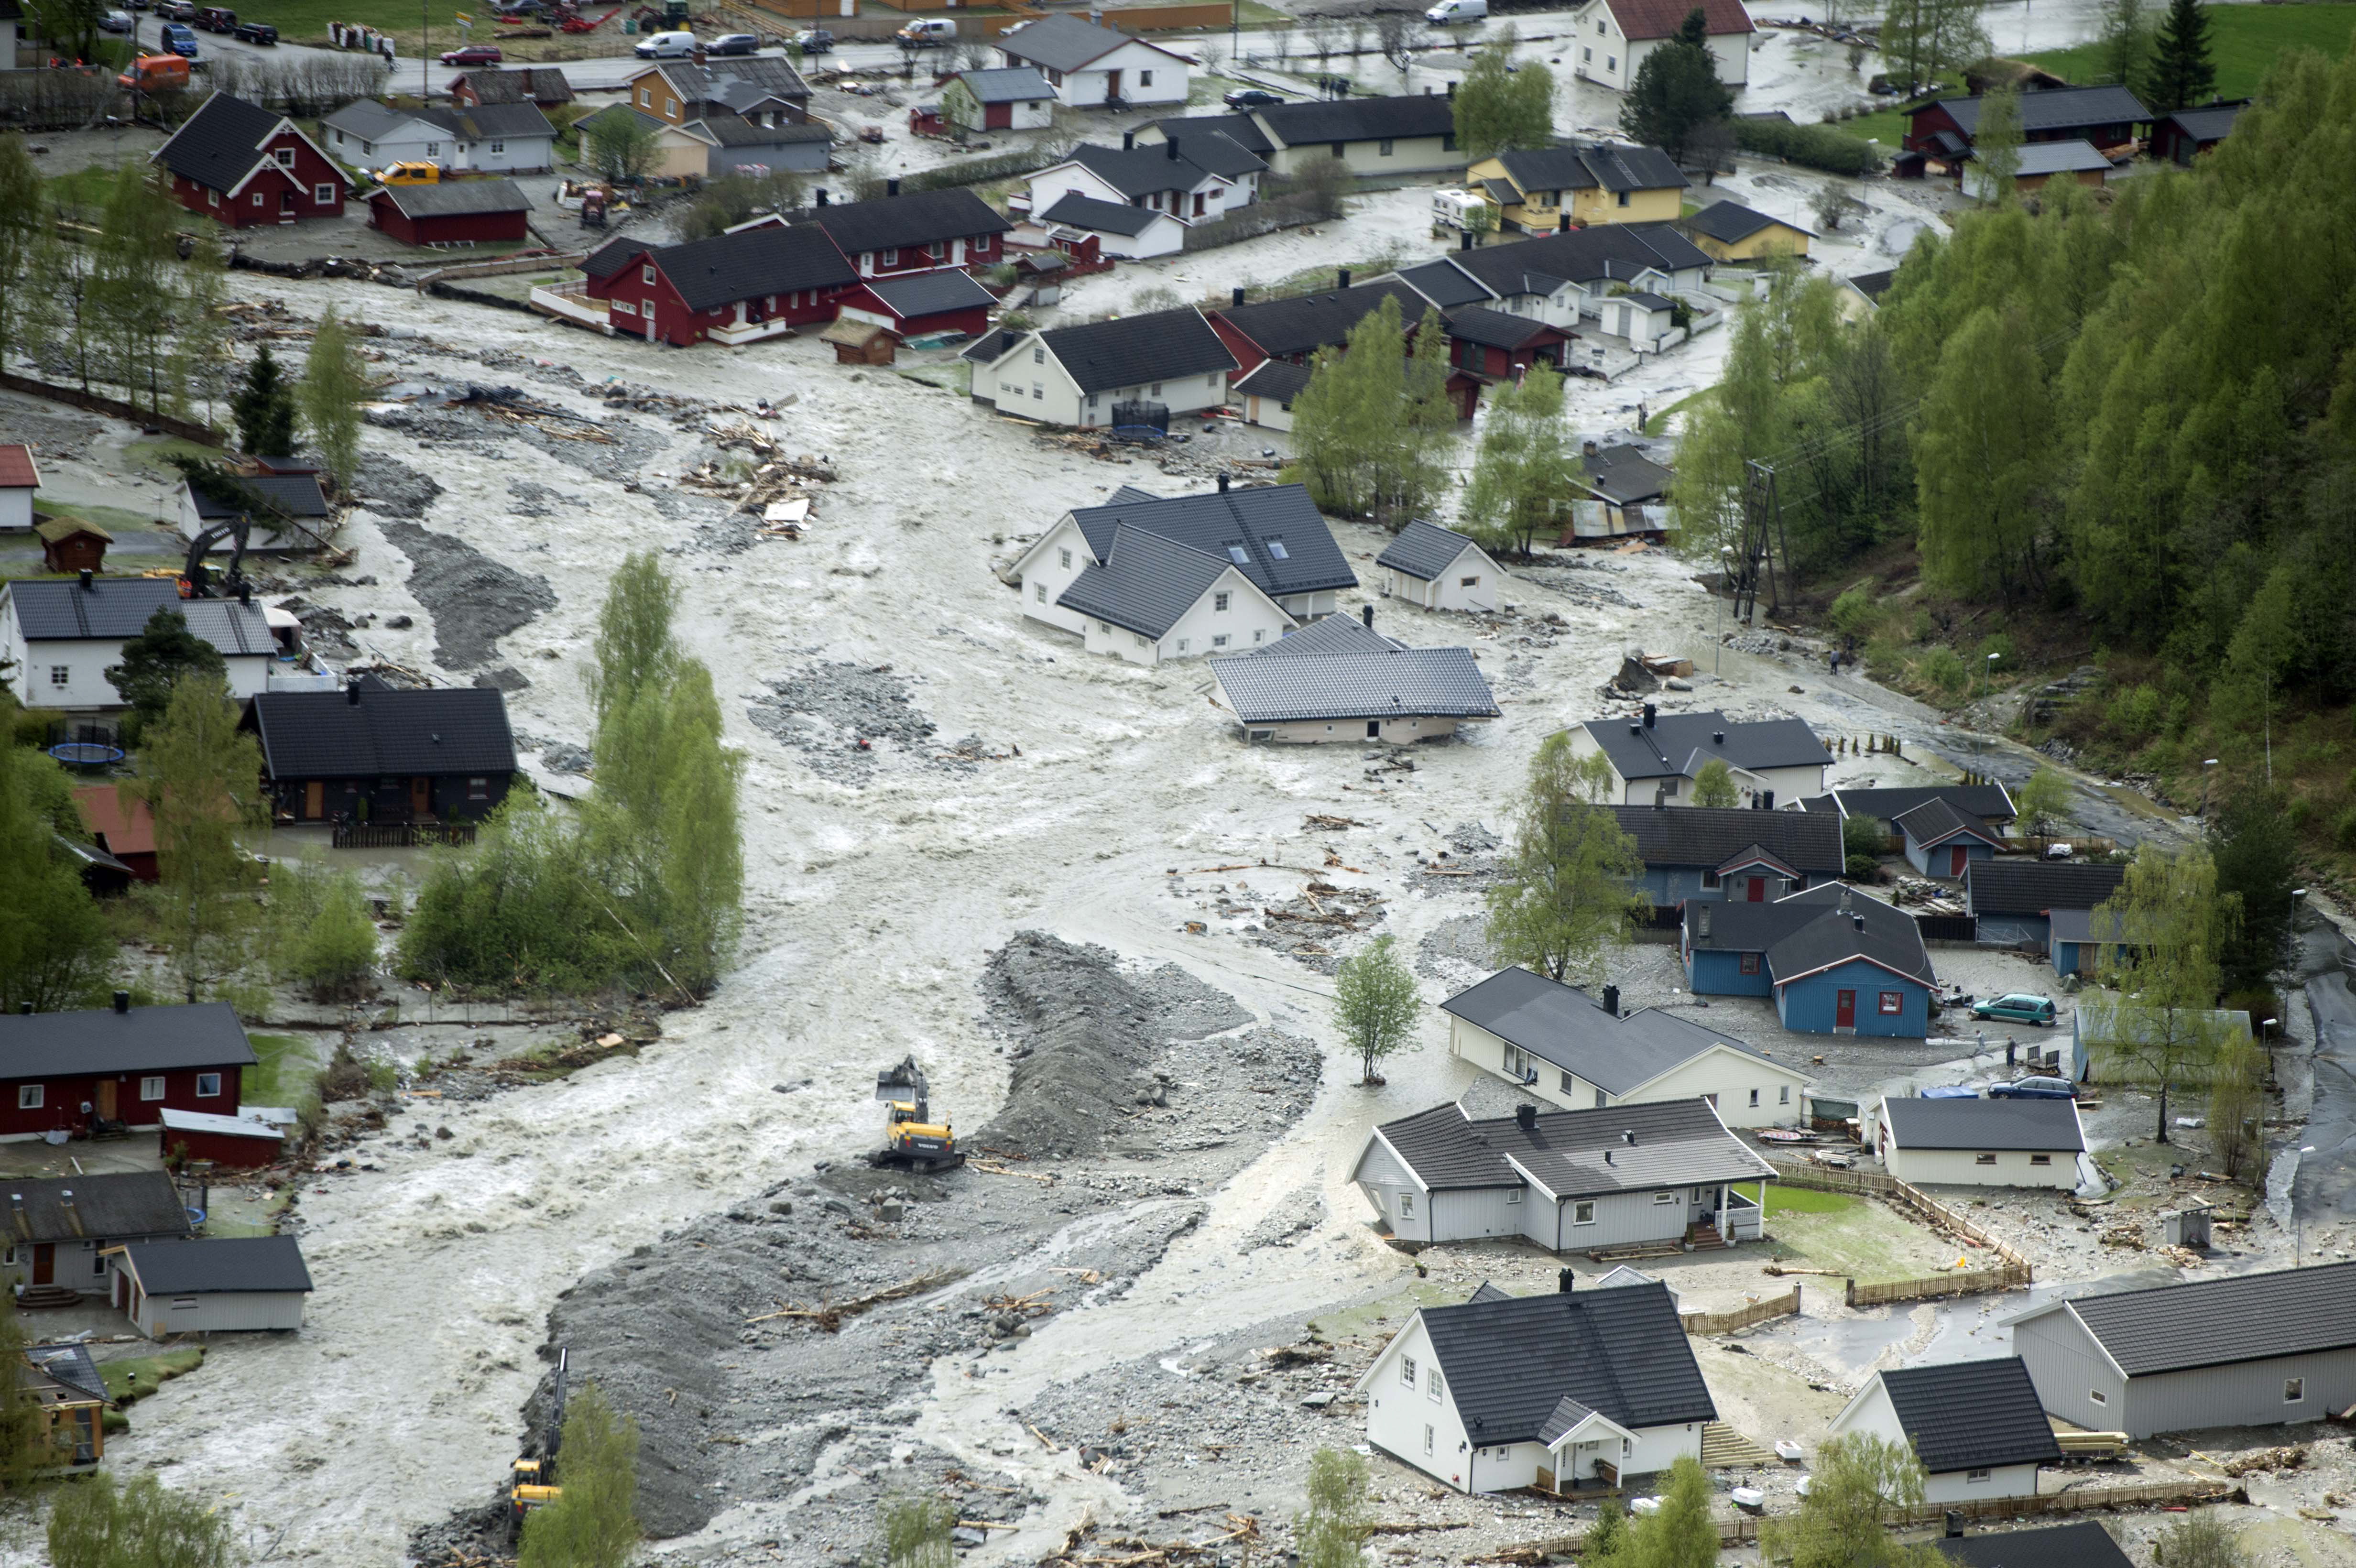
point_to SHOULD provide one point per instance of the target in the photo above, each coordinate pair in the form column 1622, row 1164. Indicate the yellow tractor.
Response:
column 911, row 1137
column 532, row 1485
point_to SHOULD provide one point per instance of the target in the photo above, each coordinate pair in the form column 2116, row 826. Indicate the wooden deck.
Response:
column 1724, row 1448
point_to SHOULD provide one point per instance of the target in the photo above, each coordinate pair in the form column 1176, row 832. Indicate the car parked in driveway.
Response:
column 814, row 41
column 734, row 44
column 1252, row 98
column 2033, row 1089
column 175, row 10
column 257, row 32
column 473, row 54
column 180, row 39
column 2015, row 1007
column 216, row 19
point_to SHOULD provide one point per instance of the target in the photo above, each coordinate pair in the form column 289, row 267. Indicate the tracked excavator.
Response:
column 532, row 1485
column 912, row 1139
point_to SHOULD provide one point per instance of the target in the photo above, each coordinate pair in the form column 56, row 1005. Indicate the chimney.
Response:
column 1525, row 1118
column 892, row 185
column 1701, row 919
column 697, row 56
column 821, row 195
column 1587, row 449
column 87, row 586
column 1717, row 737
column 1563, row 1280
column 1451, row 89
column 73, row 1215
column 1467, row 245
column 1612, row 1000
column 1861, row 922
column 1128, row 141
column 1652, row 711
column 1170, row 143
column 1954, row 1525
column 1238, row 297
column 122, row 1001
column 1628, row 1137
column 353, row 692
column 245, row 592
column 1366, row 615
column 1342, row 278
column 1562, row 224
column 1608, row 1159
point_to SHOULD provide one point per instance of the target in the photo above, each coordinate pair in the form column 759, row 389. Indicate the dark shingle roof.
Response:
column 1621, row 1353
column 438, row 730
column 220, row 144
column 100, row 1041
column 1135, row 350
column 931, row 293
column 1360, row 119
column 1732, row 222
column 2217, row 1322
column 290, row 494
column 709, row 81
column 490, row 122
column 1496, row 329
column 71, row 1366
column 1255, row 522
column 1424, row 550
column 1278, row 378
column 1708, row 834
column 1615, row 251
column 2058, row 109
column 1678, row 745
column 1620, row 474
column 1006, row 84
column 2210, row 124
column 221, row 1266
column 117, row 607
column 1304, row 322
column 454, row 198
column 1241, row 129
column 901, row 222
column 614, row 254
column 126, row 1203
column 2078, row 925
column 1873, row 285
column 1061, row 43
column 1445, row 284
column 1400, row 683
column 1145, row 581
column 1964, row 1416
column 2082, row 1544
column 531, row 84
column 2033, row 886
column 1989, row 803
column 1144, row 171
column 1593, row 165
column 2060, row 157
column 732, row 131
column 770, row 260
column 1216, row 150
column 1329, row 634
column 1080, row 212
column 1934, row 820
column 1565, row 1026
column 1807, row 931
column 2041, row 1126
column 1576, row 1153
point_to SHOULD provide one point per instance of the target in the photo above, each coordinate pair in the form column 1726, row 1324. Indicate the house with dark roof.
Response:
column 1656, row 756
column 1735, row 853
column 762, row 90
column 1167, row 178
column 2038, row 164
column 947, row 300
column 1341, row 681
column 1627, row 490
column 1834, row 960
column 2180, row 138
column 1861, row 293
column 759, row 279
column 1438, row 569
column 453, row 212
column 222, row 1285
column 1495, row 346
column 1151, row 578
column 543, row 86
column 1981, row 1143
column 740, row 144
column 498, row 138
column 1266, row 393
column 59, row 1226
column 1566, row 1392
column 1570, row 1181
column 1975, row 1427
column 2249, row 1349
column 1939, row 839
column 1087, row 227
column 65, row 636
column 1614, row 37
column 1989, row 803
column 2014, row 898
column 2082, row 1544
column 284, row 504
column 1136, row 369
column 1295, row 327
column 122, row 1065
column 912, row 233
column 1373, row 137
column 1093, row 66
column 1539, row 190
column 1567, row 1049
column 62, row 1382
column 383, row 754
column 676, row 155
column 1559, row 278
column 1011, row 97
column 245, row 165
column 1729, row 231
column 1943, row 129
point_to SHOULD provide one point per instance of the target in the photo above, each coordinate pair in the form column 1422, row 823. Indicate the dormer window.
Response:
column 1238, row 554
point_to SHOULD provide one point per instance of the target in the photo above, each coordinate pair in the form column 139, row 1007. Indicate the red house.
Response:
column 760, row 280
column 2106, row 116
column 1497, row 347
column 455, row 212
column 915, row 233
column 944, row 300
column 69, row 1071
column 1294, row 328
column 245, row 165
column 128, row 833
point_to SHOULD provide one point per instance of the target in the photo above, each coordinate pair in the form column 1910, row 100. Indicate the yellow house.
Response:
column 679, row 154
column 1729, row 232
column 1546, row 188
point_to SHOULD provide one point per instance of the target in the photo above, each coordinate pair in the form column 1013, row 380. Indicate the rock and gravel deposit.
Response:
column 475, row 600
column 844, row 717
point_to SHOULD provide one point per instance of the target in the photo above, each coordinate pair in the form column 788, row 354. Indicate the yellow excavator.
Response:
column 533, row 1484
column 911, row 1137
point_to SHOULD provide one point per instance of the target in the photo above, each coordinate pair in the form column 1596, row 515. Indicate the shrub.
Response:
column 2000, row 645
column 2135, row 712
column 2343, row 829
column 1856, row 613
column 1862, row 869
column 1813, row 146
column 1942, row 670
column 2299, row 812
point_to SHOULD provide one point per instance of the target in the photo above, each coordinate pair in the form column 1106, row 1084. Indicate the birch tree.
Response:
column 1523, row 467
column 202, row 780
column 335, row 383
column 1567, row 890
column 2161, row 933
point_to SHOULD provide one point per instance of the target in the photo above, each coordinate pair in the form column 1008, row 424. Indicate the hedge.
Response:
column 1817, row 146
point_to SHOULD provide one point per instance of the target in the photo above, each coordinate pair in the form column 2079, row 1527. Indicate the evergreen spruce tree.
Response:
column 264, row 409
column 2182, row 74
column 1677, row 92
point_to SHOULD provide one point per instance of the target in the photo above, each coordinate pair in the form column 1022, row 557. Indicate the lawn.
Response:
column 1856, row 1237
column 1887, row 126
column 284, row 1073
column 127, row 1379
column 2244, row 42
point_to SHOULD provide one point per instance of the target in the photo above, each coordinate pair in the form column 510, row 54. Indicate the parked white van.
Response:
column 927, row 30
column 669, row 45
column 1449, row 10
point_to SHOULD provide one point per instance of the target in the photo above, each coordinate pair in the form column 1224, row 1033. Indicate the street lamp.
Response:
column 1986, row 670
column 2296, row 894
column 2206, row 765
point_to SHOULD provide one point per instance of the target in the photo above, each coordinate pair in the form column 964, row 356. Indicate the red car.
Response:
column 472, row 54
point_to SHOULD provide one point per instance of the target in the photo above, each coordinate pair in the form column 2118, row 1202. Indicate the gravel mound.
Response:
column 393, row 489
column 475, row 600
column 826, row 710
column 1301, row 1211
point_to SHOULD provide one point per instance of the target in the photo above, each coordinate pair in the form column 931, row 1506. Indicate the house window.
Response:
column 1893, row 1003
column 1783, row 1095
column 2294, row 1390
column 1755, row 1099
column 96, row 1260
column 1157, row 388
column 1105, row 628
column 670, row 106
column 1181, row 644
column 1983, row 1160
column 478, row 789
column 1218, row 600
column 212, row 198
column 152, row 1088
column 645, row 98
column 1065, row 557
column 1276, row 550
column 1220, row 641
column 1624, row 199
column 890, row 258
column 285, row 157
column 208, row 1085
column 1751, row 962
column 1039, row 390
column 2098, row 1396
column 1468, row 582
column 1665, row 1199
column 1583, row 1212
column 1407, row 1374
column 1340, row 149
column 1599, row 30
column 61, row 674
column 433, row 149
column 2040, row 1159
column 1039, row 592
column 1975, row 1476
column 646, row 274
column 1145, row 79
column 1567, row 1083
column 257, row 198
column 1586, row 56
column 1602, row 1099
column 1432, row 1384
column 1140, row 641
column 1611, row 62
column 626, row 307
column 1238, row 554
column 498, row 146
column 1512, row 1197
column 1407, row 1205
column 1258, row 635
column 1427, row 1440
column 1448, row 142
column 28, row 1096
column 323, row 195
column 1709, row 879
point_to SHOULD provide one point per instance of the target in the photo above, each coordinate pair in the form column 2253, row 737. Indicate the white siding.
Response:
column 1450, row 589
column 86, row 687
column 1029, row 382
column 1398, row 1416
column 1871, row 1413
column 511, row 154
column 1383, row 1179
column 1044, row 573
column 16, row 509
column 1407, row 155
column 1729, row 1076
column 1353, row 732
column 1132, row 62
column 1483, row 1212
column 2070, row 1371
column 1962, row 1167
column 220, row 1312
column 1622, row 1218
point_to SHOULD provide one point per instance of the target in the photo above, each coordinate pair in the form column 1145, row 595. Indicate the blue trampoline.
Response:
column 86, row 753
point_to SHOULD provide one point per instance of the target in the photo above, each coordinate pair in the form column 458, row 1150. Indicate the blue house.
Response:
column 1991, row 803
column 1834, row 961
column 2013, row 899
column 1730, row 853
column 1942, row 841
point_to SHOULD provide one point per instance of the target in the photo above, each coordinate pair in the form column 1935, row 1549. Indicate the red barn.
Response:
column 915, row 233
column 455, row 212
column 943, row 301
column 246, row 165
column 2106, row 116
column 758, row 280
column 238, row 1141
column 68, row 1072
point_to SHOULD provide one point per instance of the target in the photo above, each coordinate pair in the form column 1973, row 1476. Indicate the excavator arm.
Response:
column 196, row 577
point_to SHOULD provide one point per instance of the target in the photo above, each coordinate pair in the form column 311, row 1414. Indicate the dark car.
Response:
column 814, row 41
column 179, row 39
column 257, row 32
column 216, row 19
column 736, row 44
column 175, row 10
column 473, row 54
column 1252, row 98
column 117, row 22
column 2033, row 1089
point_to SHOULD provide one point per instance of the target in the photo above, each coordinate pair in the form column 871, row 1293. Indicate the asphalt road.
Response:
column 2323, row 1190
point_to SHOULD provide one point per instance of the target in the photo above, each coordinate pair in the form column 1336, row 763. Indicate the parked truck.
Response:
column 155, row 73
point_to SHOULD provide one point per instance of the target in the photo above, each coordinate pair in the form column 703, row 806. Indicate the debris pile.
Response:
column 844, row 717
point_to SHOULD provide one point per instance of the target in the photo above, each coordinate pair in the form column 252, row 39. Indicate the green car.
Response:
column 2018, row 1007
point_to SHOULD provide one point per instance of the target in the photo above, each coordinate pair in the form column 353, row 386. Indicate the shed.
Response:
column 240, row 1141
column 1975, row 1426
column 944, row 300
column 2252, row 1350
column 1268, row 391
column 1010, row 98
column 2012, row 900
column 1982, row 1143
column 2041, row 161
column 2078, row 937
column 860, row 342
column 453, row 212
column 2180, row 138
column 19, row 477
column 2081, row 1544
column 2104, row 1021
column 69, row 545
column 1942, row 841
column 62, row 1382
column 124, row 830
column 211, row 1287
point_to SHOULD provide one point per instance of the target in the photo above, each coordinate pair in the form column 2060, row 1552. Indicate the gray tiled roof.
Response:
column 1329, row 634
column 770, row 260
column 1445, row 284
column 1144, row 583
column 1678, row 745
column 1006, row 84
column 116, row 607
column 1278, row 378
column 456, row 199
column 219, row 1265
column 1934, row 820
column 2078, row 925
column 491, row 121
column 2209, row 124
column 1602, row 251
column 1619, row 473
column 1732, row 222
column 70, row 1365
column 1401, row 684
column 2217, row 1322
column 1241, row 129
column 1622, row 1353
column 2060, row 158
column 1576, row 1153
column 1359, row 119
column 1494, row 329
column 2058, row 109
column 1595, row 165
column 1218, row 150
column 100, row 1040
column 1424, row 550
column 2033, row 886
column 2081, row 1544
column 1142, row 171
column 1258, row 522
column 1061, row 43
column 432, row 730
column 2039, row 1126
column 1135, row 350
column 1990, row 802
column 1302, row 322
column 1568, row 1413
column 1078, row 211
column 1873, row 285
column 930, row 293
column 1966, row 1416
column 116, row 1206
column 1565, row 1026
column 732, row 131
column 1706, row 836
column 901, row 222
column 1807, row 931
column 291, row 495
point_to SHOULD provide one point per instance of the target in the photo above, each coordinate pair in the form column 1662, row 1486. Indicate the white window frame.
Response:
column 322, row 193
column 1407, row 1205
column 2098, row 1396
column 152, row 1087
column 1407, row 1374
column 1432, row 1384
column 1218, row 600
column 1755, row 1099
column 1983, row 1160
column 1662, row 1199
column 1515, row 1196
column 1067, row 557
column 1974, row 1478
column 61, row 675
column 286, row 156
column 212, row 1078
column 30, row 1095
column 1582, row 1212
column 2294, row 1390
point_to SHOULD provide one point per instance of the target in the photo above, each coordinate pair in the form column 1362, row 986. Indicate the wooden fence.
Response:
column 1784, row 1305
column 399, row 835
column 2012, row 1272
column 187, row 430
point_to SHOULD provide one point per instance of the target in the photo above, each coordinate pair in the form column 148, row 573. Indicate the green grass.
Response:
column 1386, row 1316
column 127, row 1379
column 1786, row 1199
column 284, row 1072
column 1867, row 1242
column 1660, row 421
column 1887, row 126
column 155, row 456
column 2244, row 43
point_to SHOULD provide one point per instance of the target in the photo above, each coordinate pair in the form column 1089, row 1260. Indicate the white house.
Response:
column 1659, row 754
column 1169, row 360
column 1149, row 578
column 1378, row 138
column 1128, row 233
column 1266, row 392
column 211, row 1286
column 19, row 477
column 1615, row 37
column 1438, row 569
column 1982, row 1143
column 65, row 636
column 498, row 138
column 1976, row 1426
column 1168, row 178
column 1562, row 277
column 1566, row 1049
column 1505, row 1391
column 1095, row 68
column 294, row 514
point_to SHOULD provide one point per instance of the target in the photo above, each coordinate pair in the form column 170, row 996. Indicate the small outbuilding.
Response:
column 949, row 300
column 2180, row 138
column 1438, row 569
column 239, row 1141
column 19, row 477
column 453, row 212
column 2078, row 938
column 1976, row 1426
column 1341, row 681
column 1982, row 1143
column 69, row 545
column 63, row 1384
column 61, row 1228
column 860, row 342
column 1942, row 841
column 124, row 826
column 1729, row 231
column 2081, row 1544
column 1010, row 98
column 1267, row 391
column 236, row 1282
column 2042, row 162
